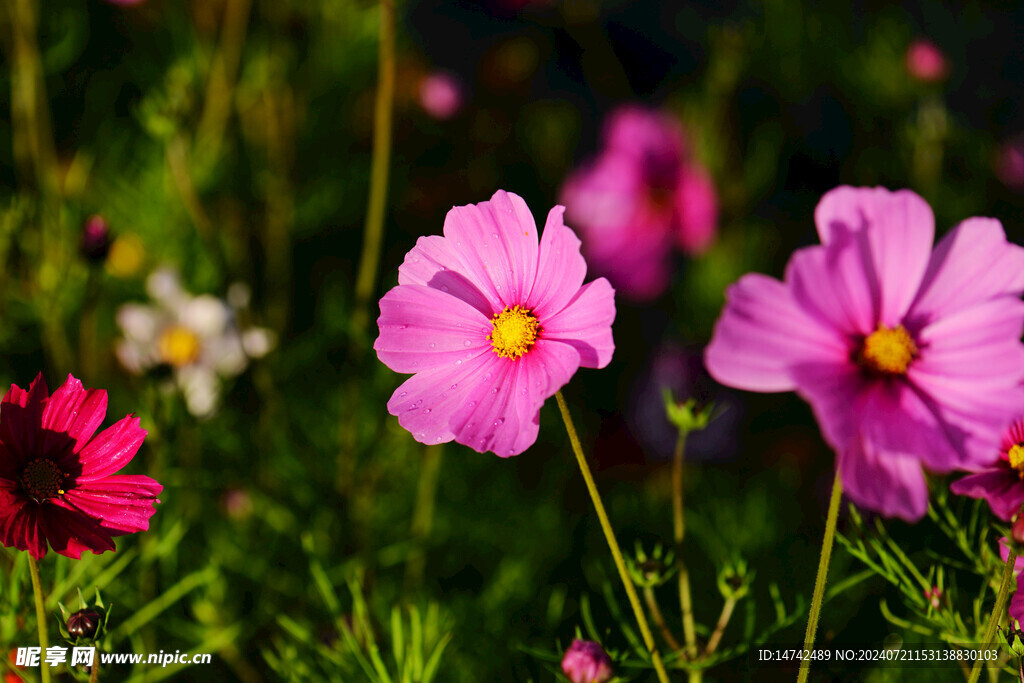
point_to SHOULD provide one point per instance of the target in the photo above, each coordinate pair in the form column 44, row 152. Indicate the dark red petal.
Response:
column 122, row 503
column 20, row 418
column 111, row 449
column 19, row 524
column 70, row 532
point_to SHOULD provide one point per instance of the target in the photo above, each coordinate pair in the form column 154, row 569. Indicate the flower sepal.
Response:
column 735, row 579
column 686, row 416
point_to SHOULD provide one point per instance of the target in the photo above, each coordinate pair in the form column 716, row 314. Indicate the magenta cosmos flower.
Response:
column 908, row 357
column 57, row 481
column 925, row 61
column 586, row 662
column 639, row 196
column 1002, row 484
column 492, row 324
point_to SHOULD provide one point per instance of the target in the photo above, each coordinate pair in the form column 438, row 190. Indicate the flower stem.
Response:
column 723, row 621
column 37, row 589
column 679, row 527
column 374, row 229
column 613, row 544
column 652, row 604
column 94, row 670
column 819, row 582
column 997, row 611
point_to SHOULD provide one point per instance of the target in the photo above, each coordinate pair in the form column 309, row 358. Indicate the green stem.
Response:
column 997, row 611
column 44, row 640
column 819, row 582
column 423, row 514
column 679, row 525
column 723, row 621
column 652, row 604
column 613, row 544
column 94, row 670
column 379, row 166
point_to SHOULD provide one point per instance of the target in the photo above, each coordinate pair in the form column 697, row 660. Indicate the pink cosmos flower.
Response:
column 586, row 662
column 492, row 324
column 441, row 95
column 1002, row 484
column 57, row 481
column 909, row 357
column 642, row 194
column 925, row 61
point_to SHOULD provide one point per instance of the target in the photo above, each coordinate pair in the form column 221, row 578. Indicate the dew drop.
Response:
column 494, row 235
column 432, row 344
column 494, row 390
column 469, row 425
column 426, row 411
column 471, row 404
column 444, row 288
column 418, row 403
column 500, row 421
column 403, row 394
column 523, row 392
column 487, row 376
column 454, row 387
column 467, row 343
column 458, row 362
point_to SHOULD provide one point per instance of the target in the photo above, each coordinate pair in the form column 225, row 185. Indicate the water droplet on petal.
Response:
column 467, row 343
column 458, row 362
column 444, row 288
column 494, row 390
column 494, row 235
column 403, row 394
column 471, row 404
column 454, row 387
column 426, row 411
column 500, row 421
column 487, row 376
column 432, row 344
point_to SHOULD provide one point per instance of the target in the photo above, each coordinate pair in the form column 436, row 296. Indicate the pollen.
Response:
column 42, row 479
column 887, row 351
column 178, row 346
column 514, row 332
column 1016, row 456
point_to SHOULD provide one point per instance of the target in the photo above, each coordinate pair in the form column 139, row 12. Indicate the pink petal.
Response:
column 972, row 264
column 111, row 449
column 20, row 416
column 697, row 207
column 586, row 324
column 899, row 228
column 431, row 263
column 633, row 129
column 1016, row 607
column 833, row 390
column 889, row 483
column 602, row 197
column 71, row 412
column 70, row 532
column 561, row 268
column 487, row 419
column 1004, row 555
column 425, row 403
column 763, row 334
column 981, row 342
column 496, row 243
column 1002, row 488
column 121, row 504
column 19, row 524
column 835, row 283
column 423, row 328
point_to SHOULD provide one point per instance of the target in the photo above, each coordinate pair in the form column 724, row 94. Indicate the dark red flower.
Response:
column 57, row 481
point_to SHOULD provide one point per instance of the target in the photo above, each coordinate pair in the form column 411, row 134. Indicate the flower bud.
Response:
column 586, row 662
column 83, row 623
column 95, row 240
column 1017, row 531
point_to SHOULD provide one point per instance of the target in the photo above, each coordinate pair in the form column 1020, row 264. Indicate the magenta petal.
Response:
column 972, row 264
column 423, row 328
column 70, row 532
column 561, row 269
column 111, row 449
column 1016, row 607
column 1004, row 555
column 762, row 335
column 20, row 413
column 121, row 504
column 1002, row 488
column 425, row 402
column 889, row 483
column 899, row 228
column 487, row 420
column 981, row 342
column 74, row 411
column 602, row 197
column 19, row 524
column 832, row 389
column 697, row 207
column 834, row 283
column 636, row 130
column 431, row 263
column 586, row 324
column 496, row 242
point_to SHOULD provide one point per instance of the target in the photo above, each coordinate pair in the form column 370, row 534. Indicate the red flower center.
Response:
column 42, row 479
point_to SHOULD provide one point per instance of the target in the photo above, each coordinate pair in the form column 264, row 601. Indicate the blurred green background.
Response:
column 231, row 140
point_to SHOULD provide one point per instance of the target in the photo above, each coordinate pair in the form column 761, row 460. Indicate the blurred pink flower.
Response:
column 1002, row 484
column 492, row 325
column 58, row 481
column 639, row 196
column 586, row 662
column 1009, row 164
column 909, row 357
column 441, row 95
column 925, row 61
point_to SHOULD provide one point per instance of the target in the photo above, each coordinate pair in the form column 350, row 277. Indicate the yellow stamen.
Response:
column 888, row 351
column 514, row 331
column 1016, row 455
column 178, row 346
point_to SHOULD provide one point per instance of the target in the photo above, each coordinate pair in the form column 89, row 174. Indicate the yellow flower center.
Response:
column 514, row 331
column 1016, row 455
column 42, row 479
column 888, row 351
column 178, row 346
